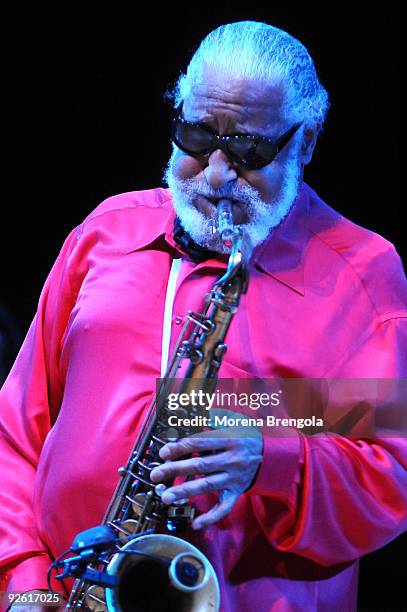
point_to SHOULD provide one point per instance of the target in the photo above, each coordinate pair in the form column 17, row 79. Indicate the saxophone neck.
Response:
column 237, row 243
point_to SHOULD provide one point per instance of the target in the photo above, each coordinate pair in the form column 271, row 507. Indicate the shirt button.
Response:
column 178, row 320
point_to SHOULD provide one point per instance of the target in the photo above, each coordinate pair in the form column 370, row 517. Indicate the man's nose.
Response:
column 220, row 169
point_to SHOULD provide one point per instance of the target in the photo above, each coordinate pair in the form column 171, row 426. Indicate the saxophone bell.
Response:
column 163, row 573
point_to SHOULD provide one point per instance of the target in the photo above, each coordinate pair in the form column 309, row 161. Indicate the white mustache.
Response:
column 237, row 193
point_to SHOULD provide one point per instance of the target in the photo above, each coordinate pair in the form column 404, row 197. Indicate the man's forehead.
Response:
column 242, row 100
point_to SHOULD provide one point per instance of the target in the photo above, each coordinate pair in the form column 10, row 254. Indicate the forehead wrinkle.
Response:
column 206, row 105
column 243, row 106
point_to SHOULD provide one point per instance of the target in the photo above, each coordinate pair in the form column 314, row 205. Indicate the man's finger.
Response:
column 190, row 467
column 207, row 484
column 194, row 444
column 218, row 512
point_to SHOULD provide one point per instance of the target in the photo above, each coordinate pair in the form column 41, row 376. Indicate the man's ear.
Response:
column 309, row 140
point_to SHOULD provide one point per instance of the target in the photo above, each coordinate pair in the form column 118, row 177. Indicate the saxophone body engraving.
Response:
column 133, row 561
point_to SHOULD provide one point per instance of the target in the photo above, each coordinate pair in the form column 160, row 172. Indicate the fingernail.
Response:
column 168, row 498
column 159, row 489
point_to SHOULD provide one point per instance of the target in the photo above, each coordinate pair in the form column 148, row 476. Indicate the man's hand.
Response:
column 229, row 468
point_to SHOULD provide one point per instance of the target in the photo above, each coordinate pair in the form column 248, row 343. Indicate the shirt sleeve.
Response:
column 29, row 404
column 331, row 498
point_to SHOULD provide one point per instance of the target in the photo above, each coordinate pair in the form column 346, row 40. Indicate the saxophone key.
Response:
column 185, row 511
column 139, row 503
column 95, row 599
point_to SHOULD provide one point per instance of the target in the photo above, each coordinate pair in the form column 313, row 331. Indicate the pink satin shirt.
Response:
column 326, row 298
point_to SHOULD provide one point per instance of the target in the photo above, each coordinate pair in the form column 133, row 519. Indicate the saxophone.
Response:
column 124, row 565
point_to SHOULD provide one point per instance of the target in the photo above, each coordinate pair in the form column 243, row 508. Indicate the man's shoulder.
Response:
column 127, row 221
column 144, row 200
column 337, row 231
column 369, row 259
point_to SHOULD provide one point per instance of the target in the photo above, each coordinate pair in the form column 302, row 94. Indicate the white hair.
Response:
column 260, row 52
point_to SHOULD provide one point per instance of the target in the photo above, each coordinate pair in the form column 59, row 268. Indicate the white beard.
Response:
column 262, row 216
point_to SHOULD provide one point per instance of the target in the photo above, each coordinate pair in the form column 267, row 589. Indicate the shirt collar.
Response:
column 158, row 222
column 281, row 255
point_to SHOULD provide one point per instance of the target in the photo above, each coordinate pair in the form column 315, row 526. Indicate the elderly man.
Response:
column 326, row 299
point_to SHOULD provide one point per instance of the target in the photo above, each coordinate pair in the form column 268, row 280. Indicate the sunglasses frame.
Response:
column 222, row 142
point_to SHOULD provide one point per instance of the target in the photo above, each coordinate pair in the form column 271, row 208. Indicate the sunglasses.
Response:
column 251, row 151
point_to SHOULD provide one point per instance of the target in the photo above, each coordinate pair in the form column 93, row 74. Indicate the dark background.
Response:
column 85, row 119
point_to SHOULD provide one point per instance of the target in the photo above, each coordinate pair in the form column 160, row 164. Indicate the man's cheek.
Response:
column 185, row 166
column 270, row 186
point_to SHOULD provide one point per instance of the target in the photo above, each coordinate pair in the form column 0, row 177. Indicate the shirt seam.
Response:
column 392, row 317
column 92, row 216
column 327, row 374
column 380, row 318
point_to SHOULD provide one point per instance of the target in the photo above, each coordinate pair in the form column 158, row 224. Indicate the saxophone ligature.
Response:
column 133, row 561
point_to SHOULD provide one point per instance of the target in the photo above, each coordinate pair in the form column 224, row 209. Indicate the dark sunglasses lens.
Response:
column 192, row 138
column 252, row 154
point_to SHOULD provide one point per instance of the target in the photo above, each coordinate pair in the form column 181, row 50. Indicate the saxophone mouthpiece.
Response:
column 226, row 227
